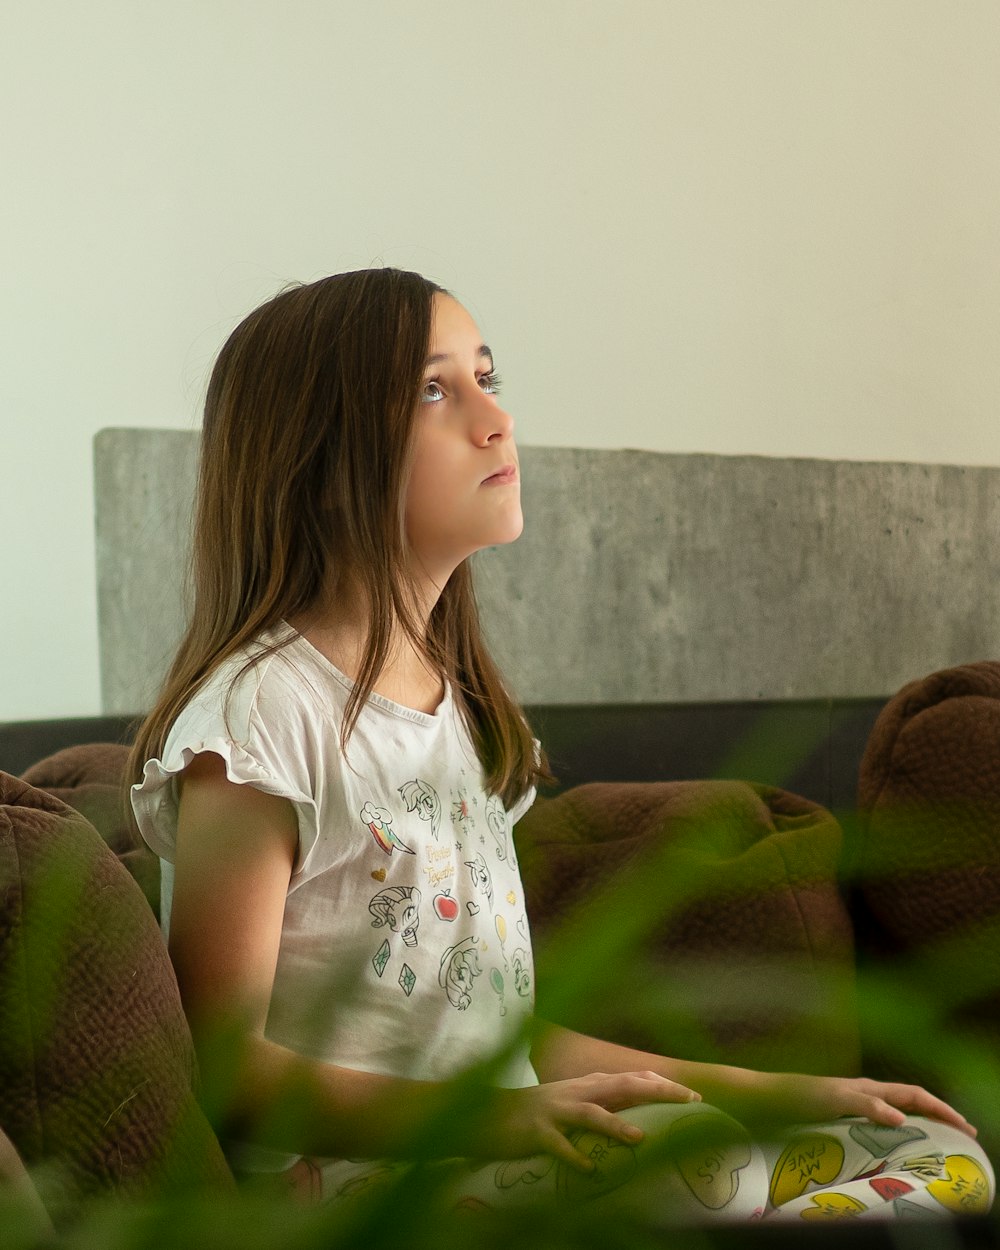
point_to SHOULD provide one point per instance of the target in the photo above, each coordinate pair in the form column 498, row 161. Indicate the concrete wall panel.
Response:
column 641, row 576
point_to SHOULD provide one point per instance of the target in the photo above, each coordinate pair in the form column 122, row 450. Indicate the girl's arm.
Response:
column 754, row 1096
column 234, row 858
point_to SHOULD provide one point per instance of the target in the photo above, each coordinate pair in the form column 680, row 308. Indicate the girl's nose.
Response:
column 493, row 423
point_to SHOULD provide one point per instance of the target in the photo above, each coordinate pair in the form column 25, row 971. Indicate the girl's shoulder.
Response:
column 260, row 711
column 274, row 680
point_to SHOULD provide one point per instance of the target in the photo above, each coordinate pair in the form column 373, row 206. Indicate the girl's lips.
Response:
column 502, row 477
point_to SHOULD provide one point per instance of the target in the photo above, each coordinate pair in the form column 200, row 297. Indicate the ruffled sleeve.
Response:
column 249, row 721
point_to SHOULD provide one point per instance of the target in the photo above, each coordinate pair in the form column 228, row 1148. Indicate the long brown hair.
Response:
column 305, row 456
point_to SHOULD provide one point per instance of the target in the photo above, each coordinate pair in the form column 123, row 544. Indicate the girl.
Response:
column 330, row 778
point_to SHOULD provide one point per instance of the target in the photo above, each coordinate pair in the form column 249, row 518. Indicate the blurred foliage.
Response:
column 929, row 1015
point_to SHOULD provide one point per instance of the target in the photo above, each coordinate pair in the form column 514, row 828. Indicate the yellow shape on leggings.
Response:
column 833, row 1207
column 815, row 1157
column 964, row 1187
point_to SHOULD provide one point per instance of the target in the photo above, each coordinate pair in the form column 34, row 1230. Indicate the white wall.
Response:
column 764, row 226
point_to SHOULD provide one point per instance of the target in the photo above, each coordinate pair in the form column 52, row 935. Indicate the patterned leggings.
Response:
column 697, row 1165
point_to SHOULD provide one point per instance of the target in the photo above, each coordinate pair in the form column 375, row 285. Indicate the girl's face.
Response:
column 464, row 491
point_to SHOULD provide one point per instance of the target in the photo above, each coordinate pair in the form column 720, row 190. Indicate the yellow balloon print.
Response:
column 814, row 1157
column 501, row 927
column 832, row 1207
column 964, row 1187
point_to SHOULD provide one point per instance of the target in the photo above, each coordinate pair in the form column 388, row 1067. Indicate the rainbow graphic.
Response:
column 379, row 823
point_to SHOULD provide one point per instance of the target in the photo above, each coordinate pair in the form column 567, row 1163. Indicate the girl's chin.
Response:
column 510, row 533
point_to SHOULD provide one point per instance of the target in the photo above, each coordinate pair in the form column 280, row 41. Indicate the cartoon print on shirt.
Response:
column 459, row 968
column 500, row 924
column 407, row 980
column 460, row 812
column 378, row 821
column 381, row 958
column 521, row 964
column 497, row 982
column 423, row 799
column 481, row 878
column 398, row 907
column 445, row 907
column 499, row 824
column 439, row 865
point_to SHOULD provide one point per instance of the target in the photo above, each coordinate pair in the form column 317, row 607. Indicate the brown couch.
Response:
column 96, row 1062
column 719, row 919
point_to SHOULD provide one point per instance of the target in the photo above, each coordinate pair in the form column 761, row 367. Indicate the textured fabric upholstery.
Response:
column 702, row 918
column 929, row 792
column 96, row 1061
column 89, row 779
column 926, row 855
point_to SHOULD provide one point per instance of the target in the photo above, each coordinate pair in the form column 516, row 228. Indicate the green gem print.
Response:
column 381, row 957
column 407, row 979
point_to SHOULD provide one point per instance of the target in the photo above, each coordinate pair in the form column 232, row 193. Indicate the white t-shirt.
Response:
column 404, row 945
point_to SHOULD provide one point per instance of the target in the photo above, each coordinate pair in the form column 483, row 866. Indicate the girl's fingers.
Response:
column 920, row 1102
column 555, row 1144
column 628, row 1089
column 600, row 1120
column 890, row 1105
column 880, row 1112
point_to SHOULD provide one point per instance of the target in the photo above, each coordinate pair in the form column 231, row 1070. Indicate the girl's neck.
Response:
column 340, row 634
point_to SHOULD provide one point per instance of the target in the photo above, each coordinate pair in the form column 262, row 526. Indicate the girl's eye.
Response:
column 489, row 384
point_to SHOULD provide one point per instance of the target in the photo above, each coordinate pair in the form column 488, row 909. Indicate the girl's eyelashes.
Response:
column 433, row 391
column 490, row 382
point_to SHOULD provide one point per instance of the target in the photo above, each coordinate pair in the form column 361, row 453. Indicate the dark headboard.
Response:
column 812, row 747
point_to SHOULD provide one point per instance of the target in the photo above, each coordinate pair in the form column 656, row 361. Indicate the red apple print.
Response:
column 889, row 1187
column 445, row 906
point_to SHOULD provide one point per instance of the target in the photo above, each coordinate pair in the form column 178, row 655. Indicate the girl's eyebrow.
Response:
column 484, row 353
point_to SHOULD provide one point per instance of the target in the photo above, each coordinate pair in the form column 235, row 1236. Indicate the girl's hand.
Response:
column 538, row 1118
column 818, row 1098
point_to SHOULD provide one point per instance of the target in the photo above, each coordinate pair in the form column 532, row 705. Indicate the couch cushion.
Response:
column 96, row 1061
column 926, row 857
column 89, row 778
column 698, row 918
